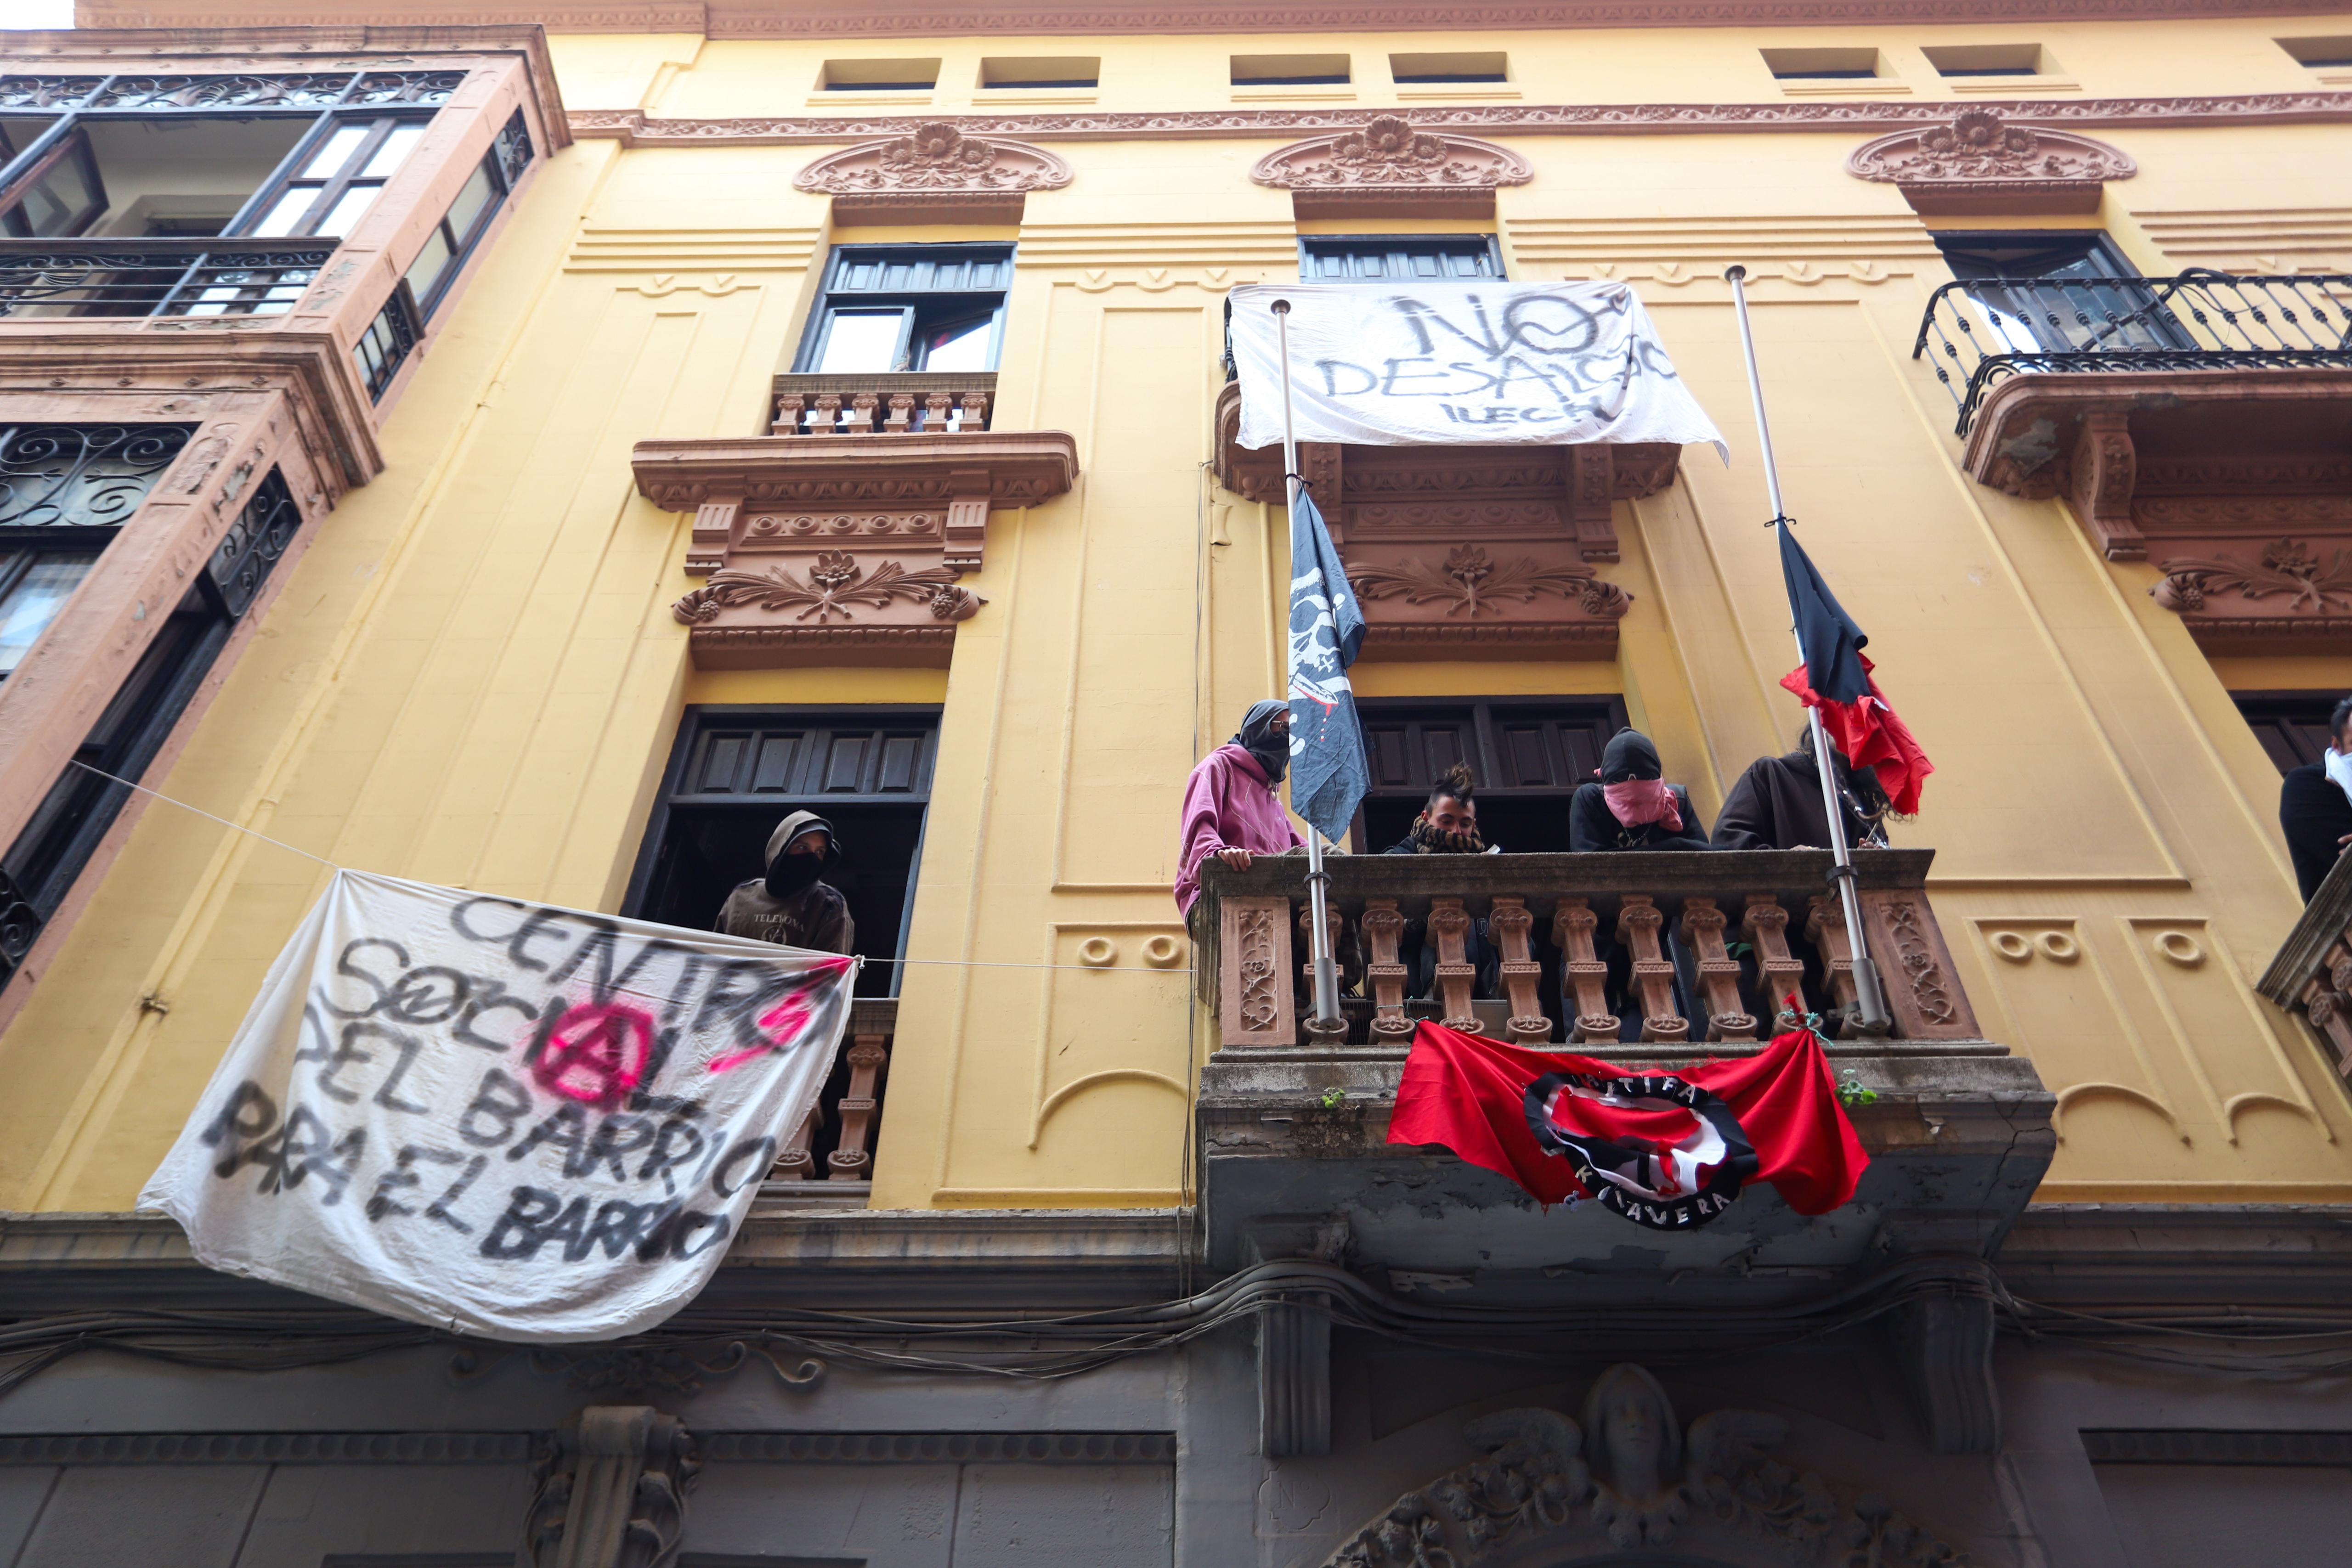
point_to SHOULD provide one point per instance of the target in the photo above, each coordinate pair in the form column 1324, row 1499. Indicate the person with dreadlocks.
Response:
column 1448, row 825
column 1231, row 810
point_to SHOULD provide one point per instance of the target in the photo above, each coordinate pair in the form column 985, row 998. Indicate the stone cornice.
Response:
column 902, row 18
column 1022, row 466
column 638, row 130
column 290, row 42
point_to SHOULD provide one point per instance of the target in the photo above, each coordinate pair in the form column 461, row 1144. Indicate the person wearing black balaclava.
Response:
column 1231, row 810
column 792, row 906
column 1632, row 807
column 1777, row 804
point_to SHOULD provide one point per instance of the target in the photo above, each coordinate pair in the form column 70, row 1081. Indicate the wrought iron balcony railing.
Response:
column 898, row 403
column 52, row 279
column 1980, row 331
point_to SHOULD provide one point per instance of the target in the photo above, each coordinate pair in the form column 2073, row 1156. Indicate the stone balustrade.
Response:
column 887, row 404
column 840, row 1127
column 2312, row 974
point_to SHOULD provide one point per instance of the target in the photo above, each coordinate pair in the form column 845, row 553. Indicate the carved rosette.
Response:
column 842, row 548
column 934, row 169
column 1388, row 165
column 1982, row 163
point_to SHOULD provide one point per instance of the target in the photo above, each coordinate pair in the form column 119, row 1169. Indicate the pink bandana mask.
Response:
column 1638, row 802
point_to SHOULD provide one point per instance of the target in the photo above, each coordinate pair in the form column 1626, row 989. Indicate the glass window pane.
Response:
column 466, row 210
column 26, row 610
column 963, row 346
column 335, row 152
column 394, row 151
column 286, row 214
column 426, row 270
column 62, row 195
column 859, row 341
column 349, row 208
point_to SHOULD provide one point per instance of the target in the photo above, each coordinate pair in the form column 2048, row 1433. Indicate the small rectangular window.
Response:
column 1042, row 72
column 34, row 586
column 1824, row 65
column 1290, row 70
column 2335, row 51
column 888, row 308
column 878, row 75
column 1414, row 71
column 468, row 217
column 1398, row 259
column 1986, row 60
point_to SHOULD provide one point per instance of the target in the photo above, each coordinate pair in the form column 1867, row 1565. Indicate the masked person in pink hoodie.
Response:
column 1632, row 807
column 1231, row 810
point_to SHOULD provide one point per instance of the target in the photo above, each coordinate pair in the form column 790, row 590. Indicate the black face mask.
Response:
column 792, row 873
column 1273, row 754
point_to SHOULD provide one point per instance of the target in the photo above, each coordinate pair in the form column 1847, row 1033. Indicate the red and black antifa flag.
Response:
column 1668, row 1150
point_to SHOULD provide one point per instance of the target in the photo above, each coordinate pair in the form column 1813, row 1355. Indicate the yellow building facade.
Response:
column 467, row 670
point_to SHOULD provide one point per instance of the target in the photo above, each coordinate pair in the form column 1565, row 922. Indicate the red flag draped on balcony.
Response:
column 1666, row 1149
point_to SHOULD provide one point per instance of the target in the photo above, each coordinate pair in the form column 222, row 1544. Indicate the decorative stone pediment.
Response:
column 934, row 174
column 1631, row 1478
column 1982, row 163
column 842, row 548
column 1468, row 551
column 1388, row 166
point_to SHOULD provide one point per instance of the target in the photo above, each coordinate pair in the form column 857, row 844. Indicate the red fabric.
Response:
column 1469, row 1094
column 1871, row 735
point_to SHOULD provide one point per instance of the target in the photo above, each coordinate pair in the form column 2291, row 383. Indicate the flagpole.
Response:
column 1327, row 1021
column 1867, row 992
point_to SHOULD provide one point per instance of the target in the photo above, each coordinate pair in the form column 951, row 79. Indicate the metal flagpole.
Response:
column 1326, row 1019
column 1874, row 1015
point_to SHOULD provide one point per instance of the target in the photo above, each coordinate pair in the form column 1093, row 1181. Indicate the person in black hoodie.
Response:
column 1632, row 807
column 1777, row 804
column 2315, row 809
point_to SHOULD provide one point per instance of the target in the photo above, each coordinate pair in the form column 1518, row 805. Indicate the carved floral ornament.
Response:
column 1389, row 155
column 2286, row 567
column 1980, row 162
column 1629, row 1477
column 934, row 157
column 1471, row 583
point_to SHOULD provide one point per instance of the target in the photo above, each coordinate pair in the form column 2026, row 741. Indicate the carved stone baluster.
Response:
column 861, row 413
column 1255, row 1003
column 1574, row 924
column 1718, row 971
column 935, row 407
column 1384, row 929
column 975, row 412
column 853, row 1161
column 1449, row 924
column 793, row 1161
column 1640, row 925
column 902, row 413
column 1331, row 923
column 1512, row 929
column 827, row 419
column 2330, row 1016
column 1780, row 974
column 790, row 408
column 1825, row 927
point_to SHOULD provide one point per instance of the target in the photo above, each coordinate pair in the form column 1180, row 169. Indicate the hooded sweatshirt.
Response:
column 1230, row 803
column 811, row 916
column 1632, row 807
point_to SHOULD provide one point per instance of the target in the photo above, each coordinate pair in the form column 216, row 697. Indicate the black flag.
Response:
column 1833, row 643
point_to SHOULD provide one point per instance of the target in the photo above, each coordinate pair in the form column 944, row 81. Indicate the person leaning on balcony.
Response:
column 1231, row 810
column 1632, row 807
column 793, row 905
column 1777, row 804
column 1448, row 825
column 2315, row 805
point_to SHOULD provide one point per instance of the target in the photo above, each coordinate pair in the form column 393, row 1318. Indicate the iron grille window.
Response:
column 2059, row 292
column 39, row 869
column 735, row 772
column 452, row 239
column 2292, row 725
column 65, row 492
column 1529, row 755
column 384, row 348
column 909, row 307
column 1398, row 258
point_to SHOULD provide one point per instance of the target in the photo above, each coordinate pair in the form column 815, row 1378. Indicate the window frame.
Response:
column 331, row 187
column 74, row 143
column 1490, row 245
column 2288, row 715
column 923, row 307
column 2132, row 293
column 1605, row 714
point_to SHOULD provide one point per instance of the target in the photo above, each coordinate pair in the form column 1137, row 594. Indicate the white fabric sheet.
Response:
column 500, row 1118
column 1461, row 364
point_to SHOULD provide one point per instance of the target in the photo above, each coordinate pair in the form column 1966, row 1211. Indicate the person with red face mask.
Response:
column 1632, row 807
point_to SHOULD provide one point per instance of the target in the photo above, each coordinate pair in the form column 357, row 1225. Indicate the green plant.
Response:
column 1333, row 1098
column 1852, row 1092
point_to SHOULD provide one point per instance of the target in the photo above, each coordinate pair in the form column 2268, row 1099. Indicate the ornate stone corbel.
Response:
column 1982, row 163
column 2102, row 473
column 1390, row 167
column 612, row 1494
column 934, row 174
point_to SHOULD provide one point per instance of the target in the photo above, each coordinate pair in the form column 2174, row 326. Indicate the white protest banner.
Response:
column 1461, row 364
column 497, row 1117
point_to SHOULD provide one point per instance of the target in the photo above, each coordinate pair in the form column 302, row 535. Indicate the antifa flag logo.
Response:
column 1631, row 1146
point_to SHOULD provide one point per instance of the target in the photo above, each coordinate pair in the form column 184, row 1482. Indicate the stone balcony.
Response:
column 2312, row 972
column 1468, row 551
